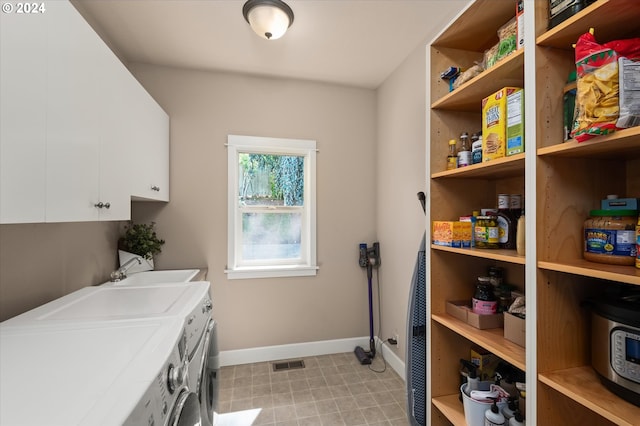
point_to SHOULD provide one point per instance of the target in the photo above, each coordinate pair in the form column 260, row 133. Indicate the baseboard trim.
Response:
column 296, row 350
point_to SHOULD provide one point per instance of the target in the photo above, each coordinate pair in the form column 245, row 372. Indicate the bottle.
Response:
column 476, row 148
column 515, row 205
column 464, row 153
column 473, row 382
column 506, row 223
column 452, row 158
column 474, row 219
column 484, row 301
column 520, row 237
column 493, row 416
column 509, row 411
column 517, row 419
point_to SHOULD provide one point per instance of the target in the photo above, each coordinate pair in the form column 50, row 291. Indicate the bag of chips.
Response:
column 598, row 91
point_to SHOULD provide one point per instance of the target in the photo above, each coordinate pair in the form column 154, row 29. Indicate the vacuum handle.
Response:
column 422, row 199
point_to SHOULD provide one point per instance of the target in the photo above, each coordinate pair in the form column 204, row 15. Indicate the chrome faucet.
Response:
column 121, row 273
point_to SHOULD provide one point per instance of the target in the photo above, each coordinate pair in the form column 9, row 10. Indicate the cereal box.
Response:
column 451, row 233
column 515, row 122
column 494, row 124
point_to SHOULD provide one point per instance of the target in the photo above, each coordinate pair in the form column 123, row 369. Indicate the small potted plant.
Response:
column 140, row 239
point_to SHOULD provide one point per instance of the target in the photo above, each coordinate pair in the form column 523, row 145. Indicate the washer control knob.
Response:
column 175, row 377
column 207, row 306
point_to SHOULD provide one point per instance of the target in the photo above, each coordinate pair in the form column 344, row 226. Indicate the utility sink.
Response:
column 158, row 277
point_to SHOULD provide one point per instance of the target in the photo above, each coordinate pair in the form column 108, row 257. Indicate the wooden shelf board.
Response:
column 495, row 169
column 451, row 407
column 466, row 31
column 468, row 97
column 492, row 339
column 623, row 274
column 607, row 17
column 509, row 256
column 623, row 142
column 582, row 385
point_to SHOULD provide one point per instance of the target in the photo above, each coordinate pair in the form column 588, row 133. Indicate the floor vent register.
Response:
column 288, row 365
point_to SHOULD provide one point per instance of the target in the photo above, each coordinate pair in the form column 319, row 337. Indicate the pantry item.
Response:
column 493, row 416
column 486, row 232
column 464, row 153
column 519, row 24
column 452, row 158
column 610, row 237
column 629, row 84
column 476, row 148
column 569, row 105
column 560, row 10
column 515, row 205
column 520, row 236
column 515, row 123
column 506, row 224
column 484, row 301
column 638, row 244
column 494, row 124
column 517, row 419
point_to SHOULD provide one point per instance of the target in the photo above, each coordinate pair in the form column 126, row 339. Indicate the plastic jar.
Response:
column 609, row 237
column 487, row 232
column 484, row 301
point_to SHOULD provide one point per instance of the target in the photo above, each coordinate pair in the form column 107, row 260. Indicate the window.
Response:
column 272, row 207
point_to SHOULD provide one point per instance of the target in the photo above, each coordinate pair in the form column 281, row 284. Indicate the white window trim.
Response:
column 294, row 147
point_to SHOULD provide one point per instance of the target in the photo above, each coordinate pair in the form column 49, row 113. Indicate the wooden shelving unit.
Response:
column 570, row 179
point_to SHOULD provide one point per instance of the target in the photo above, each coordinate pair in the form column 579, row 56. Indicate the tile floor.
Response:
column 331, row 390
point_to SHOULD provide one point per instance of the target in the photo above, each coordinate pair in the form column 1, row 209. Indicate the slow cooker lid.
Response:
column 625, row 310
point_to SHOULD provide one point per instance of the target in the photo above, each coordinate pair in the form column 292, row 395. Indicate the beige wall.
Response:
column 204, row 108
column 401, row 175
column 41, row 262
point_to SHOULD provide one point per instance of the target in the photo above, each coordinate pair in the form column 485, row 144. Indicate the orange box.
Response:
column 494, row 124
column 451, row 233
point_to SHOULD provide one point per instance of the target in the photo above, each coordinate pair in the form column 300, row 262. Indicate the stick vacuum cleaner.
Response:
column 369, row 258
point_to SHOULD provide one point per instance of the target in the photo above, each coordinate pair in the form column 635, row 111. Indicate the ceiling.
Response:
column 351, row 42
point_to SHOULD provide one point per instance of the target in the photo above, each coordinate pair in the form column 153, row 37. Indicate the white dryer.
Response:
column 186, row 304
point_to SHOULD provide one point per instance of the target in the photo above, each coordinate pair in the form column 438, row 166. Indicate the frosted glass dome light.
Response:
column 270, row 19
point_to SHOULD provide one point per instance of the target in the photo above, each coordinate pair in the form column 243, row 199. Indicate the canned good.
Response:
column 610, row 237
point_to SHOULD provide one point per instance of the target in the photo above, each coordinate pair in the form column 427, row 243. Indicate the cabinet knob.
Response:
column 107, row 205
column 155, row 188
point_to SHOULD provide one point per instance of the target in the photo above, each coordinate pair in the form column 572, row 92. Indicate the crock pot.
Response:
column 615, row 344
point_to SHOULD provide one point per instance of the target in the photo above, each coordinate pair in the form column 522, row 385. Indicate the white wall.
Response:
column 401, row 172
column 207, row 106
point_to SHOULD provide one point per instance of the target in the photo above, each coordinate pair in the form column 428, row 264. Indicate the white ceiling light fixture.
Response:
column 270, row 19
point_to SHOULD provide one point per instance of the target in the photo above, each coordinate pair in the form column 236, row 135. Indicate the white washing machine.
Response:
column 92, row 373
column 201, row 332
column 186, row 304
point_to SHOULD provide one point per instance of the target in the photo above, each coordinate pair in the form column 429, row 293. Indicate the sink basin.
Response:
column 158, row 277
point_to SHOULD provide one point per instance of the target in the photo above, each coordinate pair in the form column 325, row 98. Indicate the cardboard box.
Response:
column 514, row 329
column 515, row 122
column 485, row 361
column 462, row 310
column 451, row 233
column 494, row 124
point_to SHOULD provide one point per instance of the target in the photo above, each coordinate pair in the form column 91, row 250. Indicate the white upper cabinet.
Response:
column 23, row 117
column 151, row 151
column 80, row 135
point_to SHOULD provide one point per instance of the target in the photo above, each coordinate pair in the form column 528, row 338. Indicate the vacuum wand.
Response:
column 369, row 258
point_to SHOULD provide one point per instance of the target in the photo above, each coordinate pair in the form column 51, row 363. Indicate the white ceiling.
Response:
column 351, row 42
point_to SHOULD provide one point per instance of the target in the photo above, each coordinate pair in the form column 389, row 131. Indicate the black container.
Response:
column 560, row 10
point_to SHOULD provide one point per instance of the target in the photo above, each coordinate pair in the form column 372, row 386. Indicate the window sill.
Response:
column 271, row 272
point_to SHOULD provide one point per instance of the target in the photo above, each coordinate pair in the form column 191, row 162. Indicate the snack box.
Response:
column 494, row 124
column 515, row 122
column 451, row 233
column 485, row 361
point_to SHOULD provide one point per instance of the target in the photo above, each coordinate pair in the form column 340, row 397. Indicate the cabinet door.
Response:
column 23, row 73
column 151, row 170
column 73, row 117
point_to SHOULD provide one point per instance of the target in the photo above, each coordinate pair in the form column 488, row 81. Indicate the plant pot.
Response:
column 124, row 256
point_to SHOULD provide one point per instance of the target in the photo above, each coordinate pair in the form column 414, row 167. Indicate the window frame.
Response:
column 238, row 268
